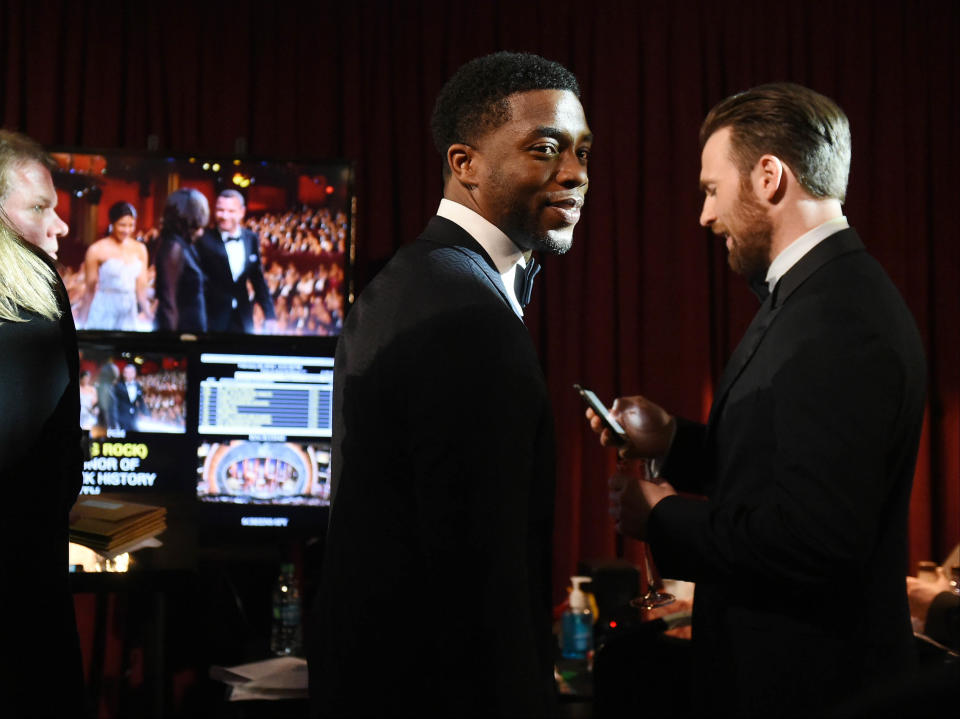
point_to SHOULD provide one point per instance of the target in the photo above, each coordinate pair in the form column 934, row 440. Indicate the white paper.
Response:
column 277, row 678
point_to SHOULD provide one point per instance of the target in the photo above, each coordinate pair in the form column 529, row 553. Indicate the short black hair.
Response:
column 474, row 101
column 121, row 209
column 186, row 212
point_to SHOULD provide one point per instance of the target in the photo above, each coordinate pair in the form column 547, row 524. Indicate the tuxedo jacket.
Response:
column 228, row 299
column 807, row 461
column 179, row 286
column 435, row 593
column 40, row 471
column 127, row 412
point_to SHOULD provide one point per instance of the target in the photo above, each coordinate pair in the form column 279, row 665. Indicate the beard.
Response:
column 527, row 235
column 751, row 232
column 521, row 223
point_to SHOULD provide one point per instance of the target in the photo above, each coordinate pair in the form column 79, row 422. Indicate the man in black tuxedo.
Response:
column 799, row 547
column 129, row 405
column 435, row 596
column 230, row 257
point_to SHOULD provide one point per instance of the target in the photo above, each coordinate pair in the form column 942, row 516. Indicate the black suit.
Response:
column 40, row 472
column 435, row 596
column 128, row 412
column 228, row 302
column 808, row 458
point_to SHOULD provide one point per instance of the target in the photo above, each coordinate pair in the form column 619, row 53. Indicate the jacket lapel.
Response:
column 834, row 246
column 743, row 353
column 446, row 232
column 220, row 249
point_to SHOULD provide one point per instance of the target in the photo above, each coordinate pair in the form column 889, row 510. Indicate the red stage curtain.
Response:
column 644, row 302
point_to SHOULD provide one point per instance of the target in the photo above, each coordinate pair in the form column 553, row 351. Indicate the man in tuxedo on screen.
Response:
column 807, row 460
column 230, row 257
column 435, row 595
column 129, row 405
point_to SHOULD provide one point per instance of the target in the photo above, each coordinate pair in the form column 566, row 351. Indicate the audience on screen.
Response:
column 303, row 254
column 164, row 392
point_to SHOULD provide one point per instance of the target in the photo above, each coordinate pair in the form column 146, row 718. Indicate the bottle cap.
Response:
column 578, row 600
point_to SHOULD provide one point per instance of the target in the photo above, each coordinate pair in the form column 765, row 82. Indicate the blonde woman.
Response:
column 40, row 457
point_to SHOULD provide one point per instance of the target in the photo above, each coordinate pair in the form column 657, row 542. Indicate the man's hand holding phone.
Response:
column 647, row 429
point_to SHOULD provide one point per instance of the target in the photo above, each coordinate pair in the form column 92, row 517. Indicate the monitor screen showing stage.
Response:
column 274, row 260
column 125, row 391
column 264, row 473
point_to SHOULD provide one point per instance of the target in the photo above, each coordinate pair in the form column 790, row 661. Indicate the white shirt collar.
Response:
column 792, row 253
column 504, row 253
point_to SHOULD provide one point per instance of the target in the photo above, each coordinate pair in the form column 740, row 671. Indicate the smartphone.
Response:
column 602, row 412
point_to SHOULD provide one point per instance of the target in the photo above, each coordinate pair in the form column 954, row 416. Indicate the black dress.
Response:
column 40, row 476
column 180, row 286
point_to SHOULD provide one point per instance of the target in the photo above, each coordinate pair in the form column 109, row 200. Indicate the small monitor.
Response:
column 136, row 492
column 133, row 405
column 263, row 439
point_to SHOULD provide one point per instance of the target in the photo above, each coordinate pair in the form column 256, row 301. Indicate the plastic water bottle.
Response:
column 285, row 634
column 576, row 628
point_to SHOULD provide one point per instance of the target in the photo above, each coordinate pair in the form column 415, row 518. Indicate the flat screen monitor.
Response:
column 286, row 273
column 263, row 438
column 136, row 494
column 133, row 405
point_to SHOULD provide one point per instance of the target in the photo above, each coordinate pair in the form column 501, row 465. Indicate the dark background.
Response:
column 644, row 302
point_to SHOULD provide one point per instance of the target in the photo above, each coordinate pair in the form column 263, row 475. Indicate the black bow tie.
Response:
column 760, row 288
column 231, row 238
column 523, row 281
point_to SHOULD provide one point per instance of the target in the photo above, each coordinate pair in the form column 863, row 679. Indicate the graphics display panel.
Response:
column 264, row 429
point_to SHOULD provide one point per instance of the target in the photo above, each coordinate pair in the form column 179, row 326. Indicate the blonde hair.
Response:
column 26, row 281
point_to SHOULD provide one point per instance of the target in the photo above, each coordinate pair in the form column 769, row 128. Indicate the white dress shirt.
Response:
column 504, row 253
column 236, row 253
column 792, row 253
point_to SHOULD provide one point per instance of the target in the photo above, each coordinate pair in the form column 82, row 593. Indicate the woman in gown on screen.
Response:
column 89, row 401
column 115, row 269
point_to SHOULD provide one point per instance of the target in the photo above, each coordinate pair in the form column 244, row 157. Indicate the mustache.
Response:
column 718, row 229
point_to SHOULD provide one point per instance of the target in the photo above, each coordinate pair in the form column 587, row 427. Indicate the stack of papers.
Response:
column 111, row 527
column 280, row 678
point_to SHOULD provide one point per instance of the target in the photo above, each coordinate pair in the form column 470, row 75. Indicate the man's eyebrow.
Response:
column 557, row 134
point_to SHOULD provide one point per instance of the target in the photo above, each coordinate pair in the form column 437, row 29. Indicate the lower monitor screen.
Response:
column 246, row 472
column 263, row 444
column 129, row 391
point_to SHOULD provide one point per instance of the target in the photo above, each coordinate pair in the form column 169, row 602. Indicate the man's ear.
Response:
column 769, row 176
column 461, row 159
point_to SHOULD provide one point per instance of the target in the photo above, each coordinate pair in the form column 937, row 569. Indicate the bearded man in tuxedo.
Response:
column 806, row 463
column 230, row 259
